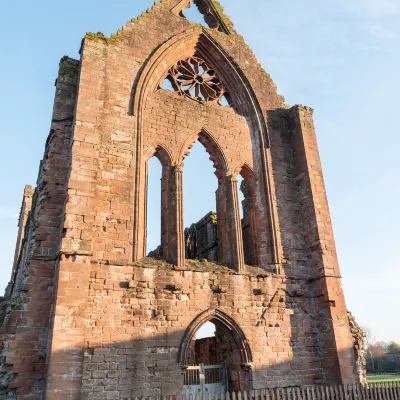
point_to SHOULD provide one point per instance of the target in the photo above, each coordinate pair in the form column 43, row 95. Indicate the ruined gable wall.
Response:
column 98, row 242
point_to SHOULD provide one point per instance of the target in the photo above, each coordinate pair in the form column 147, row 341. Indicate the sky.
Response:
column 339, row 57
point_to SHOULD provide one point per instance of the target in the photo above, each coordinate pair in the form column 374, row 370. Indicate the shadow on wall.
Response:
column 149, row 367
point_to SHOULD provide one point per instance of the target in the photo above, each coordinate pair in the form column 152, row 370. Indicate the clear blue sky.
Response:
column 340, row 57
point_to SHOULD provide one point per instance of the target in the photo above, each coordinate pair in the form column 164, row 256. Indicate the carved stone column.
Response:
column 175, row 236
column 229, row 224
column 165, row 178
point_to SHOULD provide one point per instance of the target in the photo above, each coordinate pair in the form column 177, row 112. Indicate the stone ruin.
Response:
column 86, row 314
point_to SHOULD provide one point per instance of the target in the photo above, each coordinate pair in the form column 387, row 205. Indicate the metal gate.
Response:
column 204, row 380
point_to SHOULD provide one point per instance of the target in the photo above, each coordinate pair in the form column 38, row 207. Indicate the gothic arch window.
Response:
column 245, row 104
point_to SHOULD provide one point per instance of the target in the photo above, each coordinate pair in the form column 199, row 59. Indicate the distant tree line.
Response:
column 383, row 357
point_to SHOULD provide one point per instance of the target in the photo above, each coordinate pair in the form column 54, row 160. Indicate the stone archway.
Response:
column 229, row 349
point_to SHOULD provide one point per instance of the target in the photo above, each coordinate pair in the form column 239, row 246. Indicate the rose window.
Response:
column 195, row 79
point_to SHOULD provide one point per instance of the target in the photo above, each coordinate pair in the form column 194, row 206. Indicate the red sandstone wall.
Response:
column 133, row 341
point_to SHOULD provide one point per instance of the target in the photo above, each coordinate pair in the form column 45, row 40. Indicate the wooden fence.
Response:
column 374, row 391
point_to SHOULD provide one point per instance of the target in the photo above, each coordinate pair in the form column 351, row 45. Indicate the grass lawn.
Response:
column 383, row 378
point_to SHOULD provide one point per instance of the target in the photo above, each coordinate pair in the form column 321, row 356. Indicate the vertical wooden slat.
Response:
column 386, row 390
column 379, row 390
column 289, row 394
column 336, row 389
column 361, row 391
column 298, row 394
column 267, row 396
column 383, row 389
column 332, row 390
column 367, row 392
column 284, row 393
column 395, row 394
column 309, row 394
column 364, row 392
column 371, row 393
column 391, row 394
column 395, row 391
column 389, row 390
column 356, row 393
column 327, row 394
column 304, row 393
column 376, row 393
column 357, row 389
column 346, row 392
column 341, row 392
column 320, row 391
column 384, row 393
column 313, row 394
column 365, row 388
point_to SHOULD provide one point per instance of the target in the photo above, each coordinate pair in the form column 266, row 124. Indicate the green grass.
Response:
column 383, row 378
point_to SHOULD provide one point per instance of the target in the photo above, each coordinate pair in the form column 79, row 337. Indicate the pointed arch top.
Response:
column 212, row 147
column 161, row 152
column 198, row 41
column 246, row 171
column 213, row 314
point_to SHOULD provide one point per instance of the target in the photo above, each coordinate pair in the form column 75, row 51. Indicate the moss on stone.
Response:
column 220, row 10
column 214, row 218
column 68, row 69
column 68, row 66
column 99, row 36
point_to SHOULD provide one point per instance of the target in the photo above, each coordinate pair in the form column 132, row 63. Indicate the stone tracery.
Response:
column 195, row 79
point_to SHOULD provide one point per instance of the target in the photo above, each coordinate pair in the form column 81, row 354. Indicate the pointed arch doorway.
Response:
column 218, row 361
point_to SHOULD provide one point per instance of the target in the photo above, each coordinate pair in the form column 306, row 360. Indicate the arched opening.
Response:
column 157, row 200
column 153, row 208
column 215, row 355
column 200, row 12
column 193, row 14
column 200, row 218
column 247, row 215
